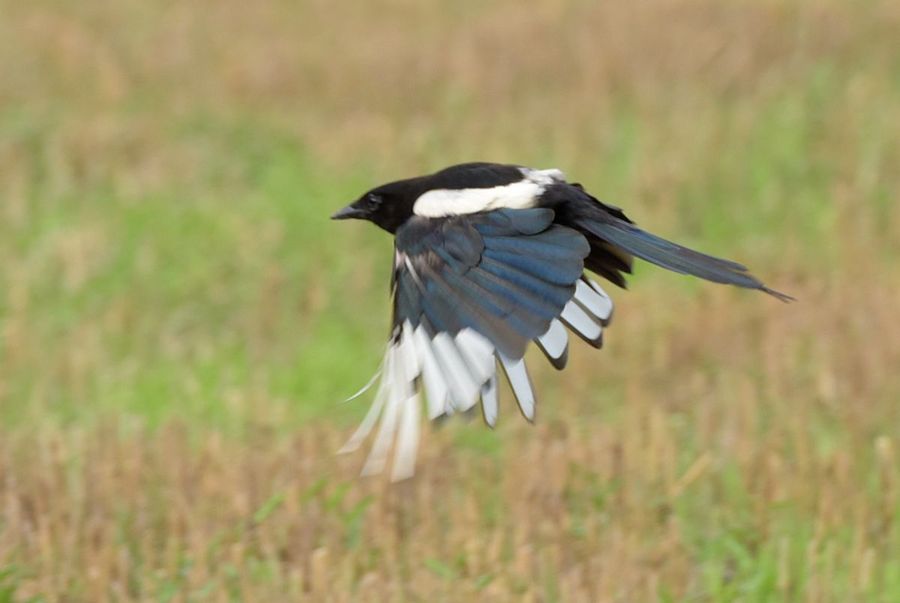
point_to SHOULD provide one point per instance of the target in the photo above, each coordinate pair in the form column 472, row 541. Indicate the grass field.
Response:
column 179, row 320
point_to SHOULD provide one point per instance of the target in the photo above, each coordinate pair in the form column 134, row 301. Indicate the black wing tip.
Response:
column 533, row 418
column 608, row 320
column 596, row 343
column 557, row 363
column 562, row 361
column 784, row 297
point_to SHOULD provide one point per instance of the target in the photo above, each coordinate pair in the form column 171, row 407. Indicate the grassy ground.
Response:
column 178, row 318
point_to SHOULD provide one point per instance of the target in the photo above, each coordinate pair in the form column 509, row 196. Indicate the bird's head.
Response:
column 387, row 206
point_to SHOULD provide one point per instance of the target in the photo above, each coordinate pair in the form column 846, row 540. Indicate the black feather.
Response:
column 506, row 274
column 540, row 297
column 674, row 257
column 506, row 222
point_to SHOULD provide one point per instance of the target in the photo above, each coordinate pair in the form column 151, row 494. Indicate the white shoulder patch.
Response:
column 523, row 194
column 545, row 177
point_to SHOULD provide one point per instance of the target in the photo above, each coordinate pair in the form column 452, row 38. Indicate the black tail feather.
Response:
column 672, row 256
column 608, row 261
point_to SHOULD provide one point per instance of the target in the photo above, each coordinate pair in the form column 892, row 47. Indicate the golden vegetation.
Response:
column 177, row 316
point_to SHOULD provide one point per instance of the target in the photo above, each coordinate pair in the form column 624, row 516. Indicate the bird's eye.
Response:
column 372, row 201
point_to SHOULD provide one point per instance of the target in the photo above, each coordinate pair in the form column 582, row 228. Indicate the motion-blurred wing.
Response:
column 470, row 292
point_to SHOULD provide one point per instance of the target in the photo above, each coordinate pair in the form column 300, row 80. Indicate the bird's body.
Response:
column 487, row 259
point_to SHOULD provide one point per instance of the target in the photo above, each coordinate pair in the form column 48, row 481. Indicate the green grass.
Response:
column 243, row 254
column 180, row 320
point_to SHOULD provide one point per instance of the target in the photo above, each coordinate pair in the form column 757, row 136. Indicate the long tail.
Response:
column 670, row 255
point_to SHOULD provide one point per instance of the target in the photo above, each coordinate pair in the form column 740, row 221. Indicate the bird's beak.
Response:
column 348, row 213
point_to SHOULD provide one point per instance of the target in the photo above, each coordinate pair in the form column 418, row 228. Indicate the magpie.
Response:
column 487, row 259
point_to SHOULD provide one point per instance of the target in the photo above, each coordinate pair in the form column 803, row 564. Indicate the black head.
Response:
column 387, row 206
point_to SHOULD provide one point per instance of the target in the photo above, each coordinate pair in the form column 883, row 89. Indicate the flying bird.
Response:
column 487, row 259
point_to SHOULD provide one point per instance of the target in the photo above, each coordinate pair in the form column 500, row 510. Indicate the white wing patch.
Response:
column 594, row 299
column 517, row 374
column 463, row 386
column 555, row 342
column 517, row 195
column 579, row 321
column 437, row 390
column 455, row 373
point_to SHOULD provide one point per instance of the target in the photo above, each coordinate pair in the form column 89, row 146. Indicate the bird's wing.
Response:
column 469, row 291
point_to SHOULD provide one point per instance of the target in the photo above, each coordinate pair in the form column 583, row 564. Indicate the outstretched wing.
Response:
column 469, row 291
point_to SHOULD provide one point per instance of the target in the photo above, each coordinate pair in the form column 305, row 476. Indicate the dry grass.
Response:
column 177, row 315
column 757, row 462
column 571, row 512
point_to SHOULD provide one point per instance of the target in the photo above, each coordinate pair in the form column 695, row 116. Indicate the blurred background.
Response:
column 179, row 320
